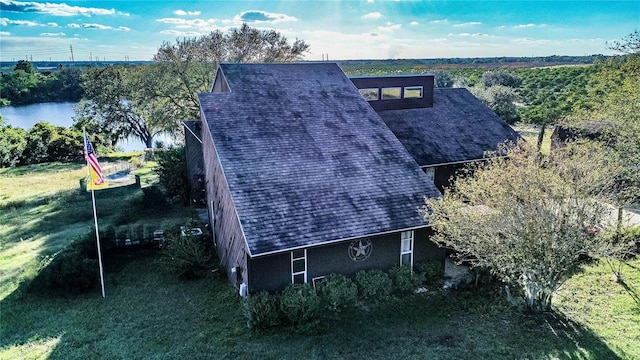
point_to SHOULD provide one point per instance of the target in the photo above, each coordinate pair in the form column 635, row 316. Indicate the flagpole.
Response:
column 95, row 217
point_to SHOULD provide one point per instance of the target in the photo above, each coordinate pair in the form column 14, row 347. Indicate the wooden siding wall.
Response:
column 426, row 250
column 227, row 231
column 195, row 168
column 273, row 273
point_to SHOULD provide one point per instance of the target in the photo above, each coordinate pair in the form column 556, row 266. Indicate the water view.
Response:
column 56, row 113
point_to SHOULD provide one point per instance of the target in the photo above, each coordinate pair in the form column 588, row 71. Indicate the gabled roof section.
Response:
column 307, row 160
column 458, row 128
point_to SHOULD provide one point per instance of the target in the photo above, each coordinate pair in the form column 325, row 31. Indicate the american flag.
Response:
column 90, row 156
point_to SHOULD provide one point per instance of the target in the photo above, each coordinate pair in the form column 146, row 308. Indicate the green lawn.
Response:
column 530, row 134
column 151, row 314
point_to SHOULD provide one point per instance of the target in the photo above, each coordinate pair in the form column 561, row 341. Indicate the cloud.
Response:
column 97, row 27
column 48, row 34
column 200, row 24
column 5, row 33
column 180, row 33
column 7, row 21
column 389, row 27
column 372, row 15
column 370, row 1
column 414, row 23
column 258, row 16
column 440, row 21
column 530, row 25
column 23, row 23
column 464, row 34
column 471, row 23
column 180, row 12
column 55, row 9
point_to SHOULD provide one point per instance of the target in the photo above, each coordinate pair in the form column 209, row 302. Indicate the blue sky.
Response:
column 367, row 29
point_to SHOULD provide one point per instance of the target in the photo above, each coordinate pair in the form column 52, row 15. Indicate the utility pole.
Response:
column 72, row 60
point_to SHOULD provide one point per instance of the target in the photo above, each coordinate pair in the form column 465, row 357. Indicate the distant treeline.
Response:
column 47, row 66
column 24, row 85
column 488, row 62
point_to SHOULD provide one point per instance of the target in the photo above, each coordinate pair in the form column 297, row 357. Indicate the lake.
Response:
column 56, row 113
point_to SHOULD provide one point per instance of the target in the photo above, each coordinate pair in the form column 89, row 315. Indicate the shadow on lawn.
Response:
column 630, row 289
column 167, row 319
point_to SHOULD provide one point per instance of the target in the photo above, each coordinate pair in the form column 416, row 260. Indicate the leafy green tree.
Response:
column 113, row 108
column 527, row 220
column 26, row 86
column 26, row 66
column 70, row 82
column 17, row 86
column 551, row 94
column 443, row 79
column 12, row 144
column 615, row 122
column 188, row 66
column 501, row 100
column 46, row 142
column 500, row 77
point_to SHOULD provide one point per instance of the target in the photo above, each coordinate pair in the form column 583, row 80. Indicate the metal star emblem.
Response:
column 360, row 249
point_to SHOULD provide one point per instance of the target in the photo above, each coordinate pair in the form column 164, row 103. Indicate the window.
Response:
column 406, row 248
column 391, row 93
column 299, row 266
column 431, row 172
column 369, row 94
column 413, row 92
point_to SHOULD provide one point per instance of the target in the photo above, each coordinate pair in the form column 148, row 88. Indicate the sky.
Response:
column 335, row 30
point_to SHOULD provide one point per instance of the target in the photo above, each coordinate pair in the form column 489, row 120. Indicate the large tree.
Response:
column 144, row 101
column 615, row 121
column 114, row 108
column 188, row 66
column 528, row 220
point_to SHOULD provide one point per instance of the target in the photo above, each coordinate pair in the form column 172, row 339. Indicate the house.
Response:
column 305, row 173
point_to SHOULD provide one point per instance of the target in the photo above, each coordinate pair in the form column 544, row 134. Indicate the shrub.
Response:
column 432, row 273
column 338, row 292
column 300, row 305
column 152, row 197
column 261, row 311
column 71, row 271
column 374, row 284
column 404, row 280
column 172, row 174
column 187, row 255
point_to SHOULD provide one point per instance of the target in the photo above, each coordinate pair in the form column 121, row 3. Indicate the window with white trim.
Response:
column 406, row 248
column 299, row 266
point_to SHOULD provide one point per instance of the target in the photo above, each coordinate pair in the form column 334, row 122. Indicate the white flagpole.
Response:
column 95, row 216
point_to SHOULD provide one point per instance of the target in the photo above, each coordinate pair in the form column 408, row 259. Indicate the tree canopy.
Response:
column 146, row 100
column 614, row 121
column 528, row 220
column 188, row 66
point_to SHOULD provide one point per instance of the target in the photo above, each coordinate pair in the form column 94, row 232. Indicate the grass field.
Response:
column 150, row 314
column 530, row 134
